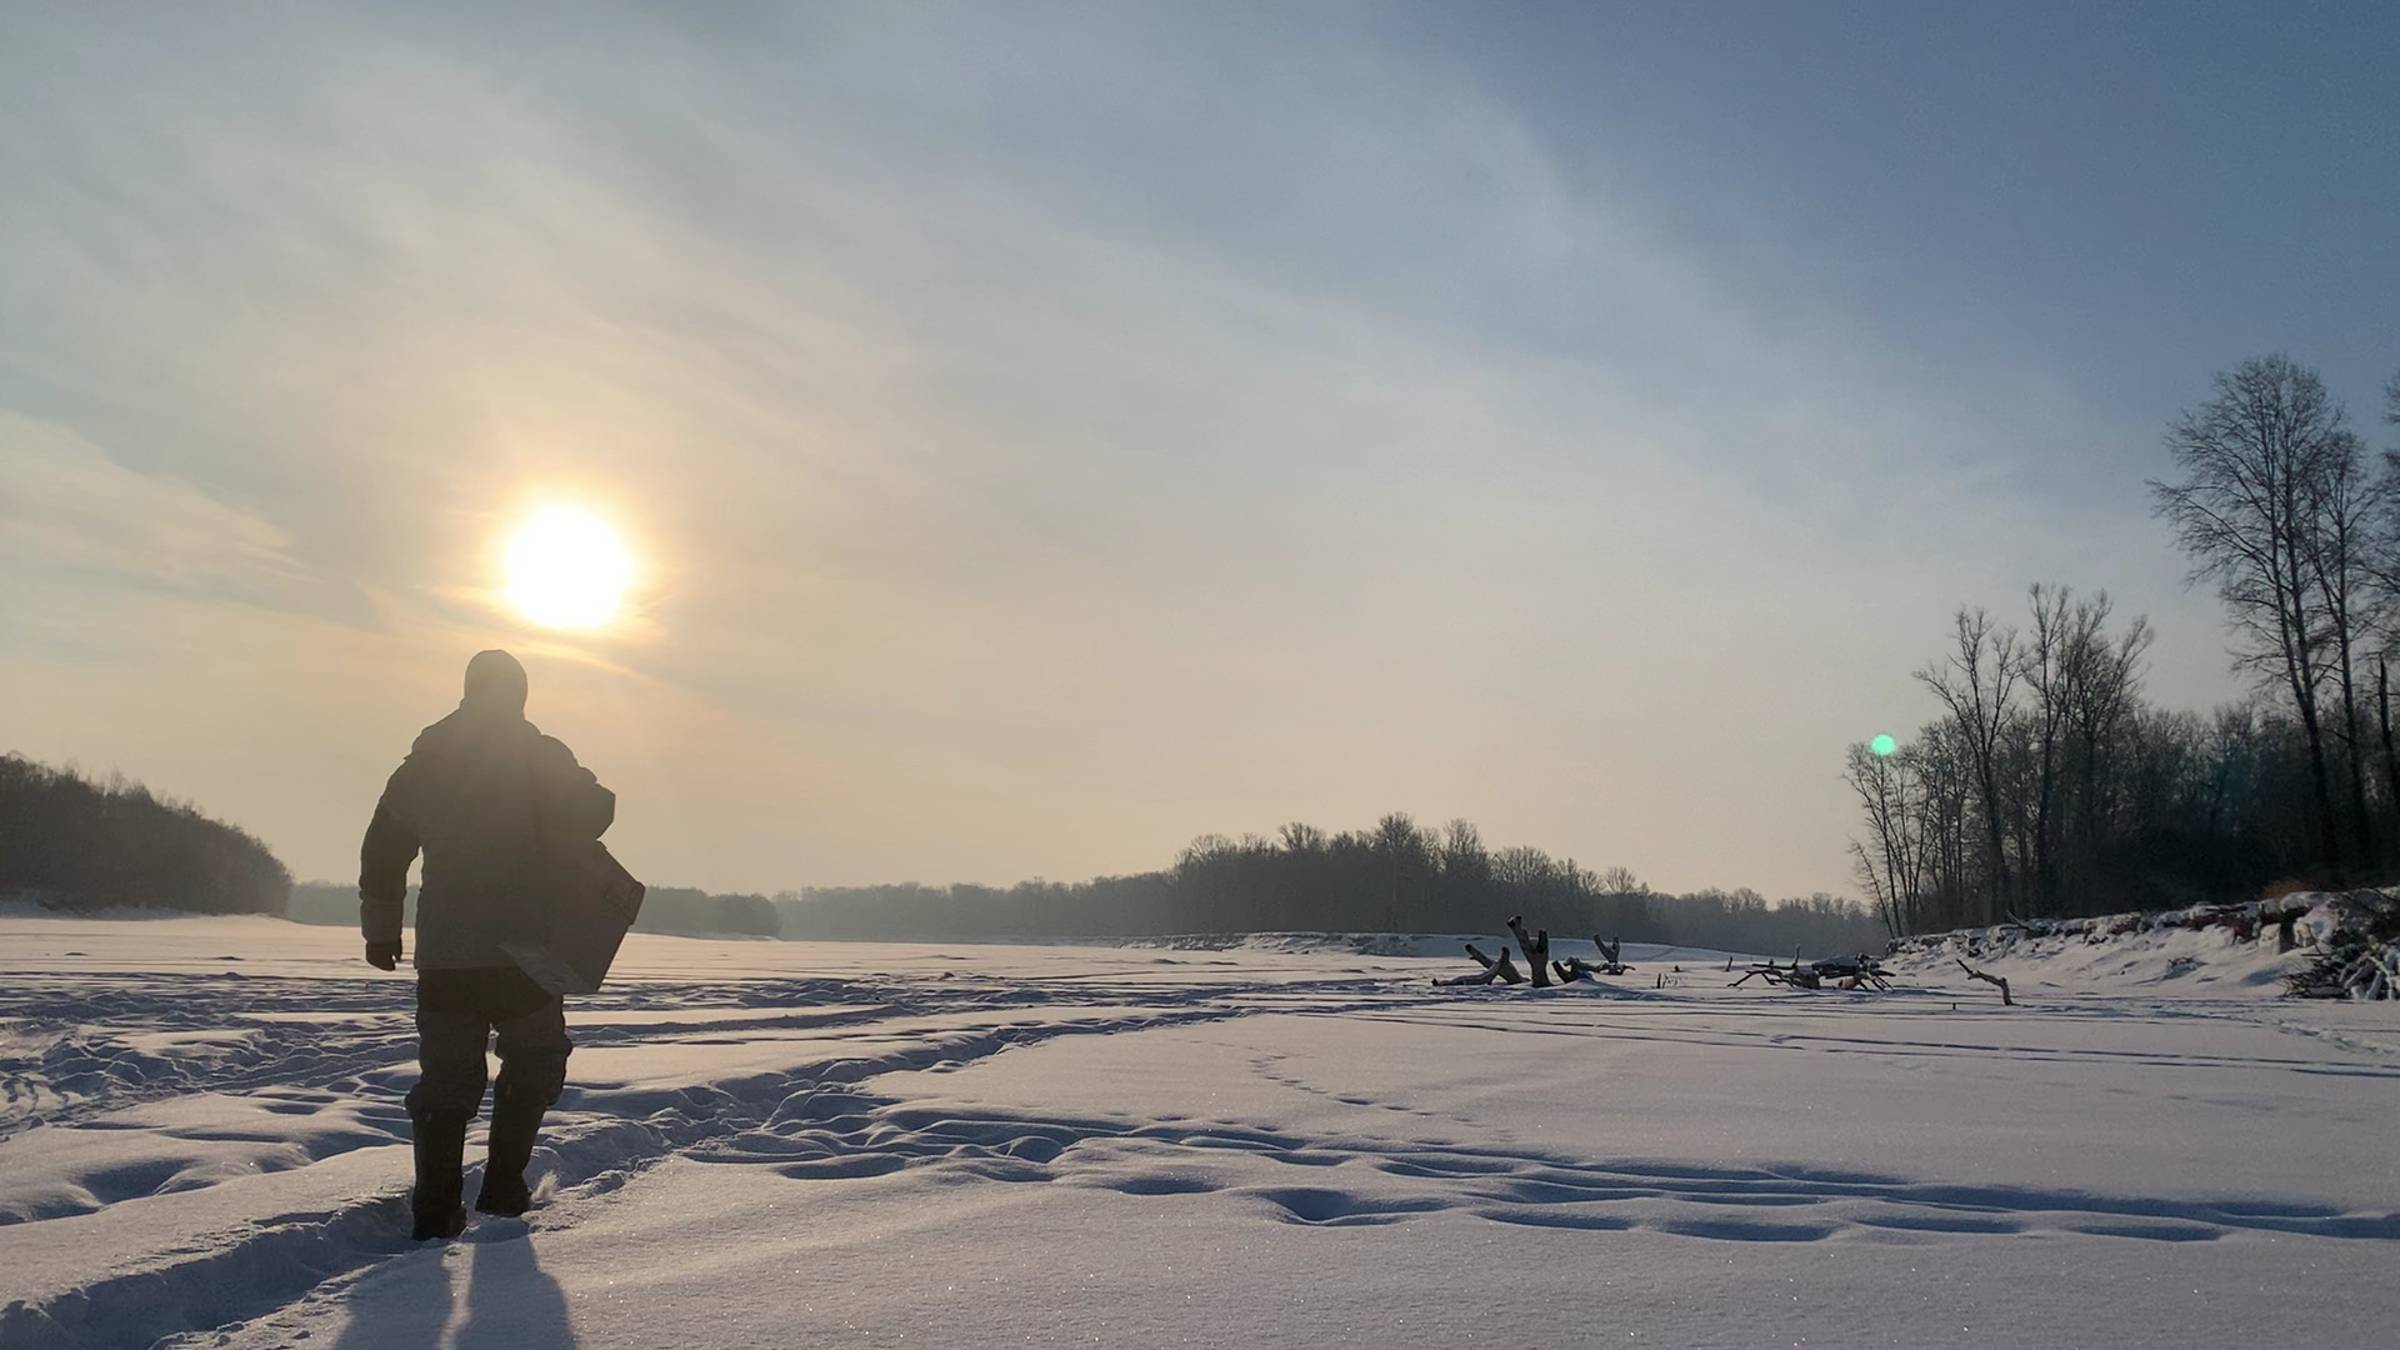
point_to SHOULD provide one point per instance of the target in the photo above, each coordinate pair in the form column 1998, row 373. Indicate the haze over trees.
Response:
column 1398, row 876
column 73, row 843
column 2048, row 786
column 685, row 909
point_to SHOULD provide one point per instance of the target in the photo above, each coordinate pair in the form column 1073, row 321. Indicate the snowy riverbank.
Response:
column 773, row 1144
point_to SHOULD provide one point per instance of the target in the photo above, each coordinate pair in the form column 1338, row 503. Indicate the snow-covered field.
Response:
column 781, row 1144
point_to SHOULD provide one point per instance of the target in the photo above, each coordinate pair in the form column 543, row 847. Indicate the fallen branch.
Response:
column 1576, row 968
column 2000, row 980
column 1502, row 971
column 1793, row 976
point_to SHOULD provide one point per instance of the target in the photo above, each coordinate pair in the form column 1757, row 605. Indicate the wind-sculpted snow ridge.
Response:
column 817, row 1143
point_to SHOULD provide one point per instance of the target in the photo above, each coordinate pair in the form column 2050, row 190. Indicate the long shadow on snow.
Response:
column 221, row 1283
column 831, row 1132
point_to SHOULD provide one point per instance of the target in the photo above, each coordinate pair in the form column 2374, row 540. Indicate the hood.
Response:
column 495, row 687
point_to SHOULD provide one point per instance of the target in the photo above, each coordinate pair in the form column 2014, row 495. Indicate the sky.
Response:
column 1046, row 433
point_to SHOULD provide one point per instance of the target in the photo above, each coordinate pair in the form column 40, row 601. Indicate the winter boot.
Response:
column 515, row 1125
column 441, row 1144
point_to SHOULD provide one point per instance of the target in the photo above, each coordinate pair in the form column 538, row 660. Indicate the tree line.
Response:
column 2048, row 786
column 1398, row 876
column 72, row 843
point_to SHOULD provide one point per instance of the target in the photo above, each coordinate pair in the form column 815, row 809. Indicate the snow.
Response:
column 2153, row 955
column 1287, row 1141
column 1444, row 945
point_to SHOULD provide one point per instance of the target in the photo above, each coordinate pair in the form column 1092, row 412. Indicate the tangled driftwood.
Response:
column 2371, row 971
column 1536, row 946
column 2361, row 958
column 1841, row 972
column 1576, row 968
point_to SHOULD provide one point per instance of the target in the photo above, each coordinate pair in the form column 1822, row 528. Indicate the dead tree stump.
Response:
column 1536, row 949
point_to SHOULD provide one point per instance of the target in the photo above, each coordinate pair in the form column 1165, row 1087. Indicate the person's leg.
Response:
column 533, row 1071
column 449, row 1090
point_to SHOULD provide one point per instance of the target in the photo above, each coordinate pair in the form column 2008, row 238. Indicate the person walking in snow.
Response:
column 488, row 799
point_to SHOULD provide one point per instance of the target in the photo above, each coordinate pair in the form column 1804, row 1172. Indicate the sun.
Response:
column 567, row 569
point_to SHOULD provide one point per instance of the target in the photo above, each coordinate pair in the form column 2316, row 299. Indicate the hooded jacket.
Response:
column 490, row 801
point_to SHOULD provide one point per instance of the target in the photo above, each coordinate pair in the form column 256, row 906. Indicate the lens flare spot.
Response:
column 1883, row 745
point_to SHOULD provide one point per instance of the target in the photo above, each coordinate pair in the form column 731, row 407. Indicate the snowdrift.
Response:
column 2219, row 949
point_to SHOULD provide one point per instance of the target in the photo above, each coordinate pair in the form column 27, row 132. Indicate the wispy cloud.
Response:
column 1043, row 439
column 71, row 511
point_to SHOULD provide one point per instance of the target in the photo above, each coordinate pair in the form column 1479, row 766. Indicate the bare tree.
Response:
column 2046, row 663
column 2017, row 796
column 1522, row 867
column 2383, row 725
column 1892, row 870
column 1408, row 855
column 1621, row 881
column 2346, row 506
column 1945, row 807
column 1301, row 837
column 2254, row 458
column 2103, row 694
column 1466, row 864
column 2382, row 563
column 1977, row 686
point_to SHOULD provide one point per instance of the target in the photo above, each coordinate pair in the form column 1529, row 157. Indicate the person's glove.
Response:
column 384, row 955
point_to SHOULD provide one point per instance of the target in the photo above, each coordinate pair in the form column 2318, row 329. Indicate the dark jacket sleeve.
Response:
column 390, row 846
column 573, row 804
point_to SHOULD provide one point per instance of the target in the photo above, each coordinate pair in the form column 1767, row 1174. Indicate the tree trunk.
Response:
column 2383, row 718
column 2301, row 668
column 1991, row 820
column 2327, row 840
column 2363, row 843
column 1536, row 947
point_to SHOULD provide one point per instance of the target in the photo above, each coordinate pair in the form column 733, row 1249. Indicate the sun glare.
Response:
column 567, row 569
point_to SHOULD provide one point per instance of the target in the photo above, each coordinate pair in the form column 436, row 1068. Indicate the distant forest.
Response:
column 2049, row 786
column 72, row 843
column 1396, row 877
